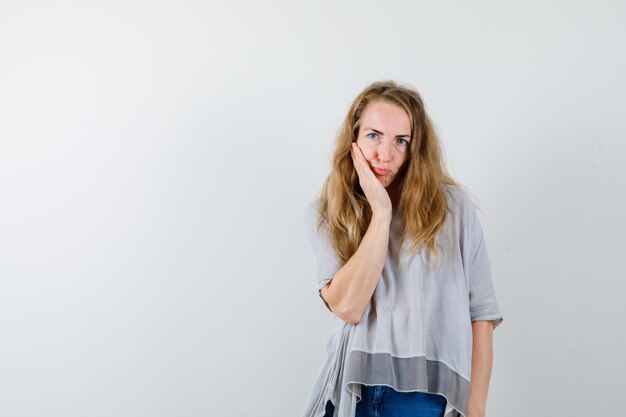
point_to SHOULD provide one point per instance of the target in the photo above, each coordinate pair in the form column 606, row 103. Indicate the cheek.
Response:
column 405, row 159
column 367, row 152
column 368, row 155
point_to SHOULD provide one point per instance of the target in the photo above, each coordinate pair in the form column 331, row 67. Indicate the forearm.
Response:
column 351, row 289
column 482, row 361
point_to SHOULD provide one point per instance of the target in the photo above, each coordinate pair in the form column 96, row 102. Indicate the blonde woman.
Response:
column 400, row 260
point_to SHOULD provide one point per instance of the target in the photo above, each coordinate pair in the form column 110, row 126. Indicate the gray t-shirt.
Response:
column 415, row 333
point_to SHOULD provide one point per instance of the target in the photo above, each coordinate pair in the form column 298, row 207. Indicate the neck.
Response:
column 394, row 193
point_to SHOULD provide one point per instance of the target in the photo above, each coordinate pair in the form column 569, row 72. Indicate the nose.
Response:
column 384, row 152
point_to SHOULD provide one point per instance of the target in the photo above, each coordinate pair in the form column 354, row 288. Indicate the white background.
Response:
column 156, row 157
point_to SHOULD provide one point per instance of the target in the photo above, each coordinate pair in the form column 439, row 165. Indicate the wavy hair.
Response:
column 422, row 206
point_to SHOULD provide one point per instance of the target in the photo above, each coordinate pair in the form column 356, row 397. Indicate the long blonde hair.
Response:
column 422, row 206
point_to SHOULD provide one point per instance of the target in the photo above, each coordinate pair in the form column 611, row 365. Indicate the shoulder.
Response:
column 461, row 204
column 310, row 215
column 457, row 197
column 311, row 209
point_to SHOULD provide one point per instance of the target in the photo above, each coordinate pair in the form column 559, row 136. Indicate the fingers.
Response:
column 358, row 157
column 367, row 179
column 356, row 160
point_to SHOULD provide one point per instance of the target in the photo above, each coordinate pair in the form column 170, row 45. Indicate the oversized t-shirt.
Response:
column 415, row 333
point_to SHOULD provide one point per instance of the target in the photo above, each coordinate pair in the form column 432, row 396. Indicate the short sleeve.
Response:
column 483, row 304
column 323, row 258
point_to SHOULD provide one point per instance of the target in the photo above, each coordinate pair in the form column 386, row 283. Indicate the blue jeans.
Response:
column 384, row 401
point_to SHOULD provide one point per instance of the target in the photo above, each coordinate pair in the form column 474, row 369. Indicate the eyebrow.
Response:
column 381, row 133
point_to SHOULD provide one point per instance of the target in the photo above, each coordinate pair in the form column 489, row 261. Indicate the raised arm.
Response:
column 351, row 289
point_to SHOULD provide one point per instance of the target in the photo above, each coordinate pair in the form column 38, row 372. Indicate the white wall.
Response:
column 155, row 159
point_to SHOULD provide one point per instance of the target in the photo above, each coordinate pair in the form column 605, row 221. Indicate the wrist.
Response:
column 476, row 410
column 381, row 217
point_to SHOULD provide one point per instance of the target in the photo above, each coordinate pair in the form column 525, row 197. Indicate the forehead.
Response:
column 385, row 115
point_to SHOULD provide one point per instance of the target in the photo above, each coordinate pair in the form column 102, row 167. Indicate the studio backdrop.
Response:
column 156, row 159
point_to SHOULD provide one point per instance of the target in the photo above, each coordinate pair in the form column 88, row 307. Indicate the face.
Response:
column 384, row 136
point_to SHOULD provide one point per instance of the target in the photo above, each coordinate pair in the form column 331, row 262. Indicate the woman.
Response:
column 400, row 260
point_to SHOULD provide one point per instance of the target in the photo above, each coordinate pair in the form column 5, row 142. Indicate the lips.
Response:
column 381, row 171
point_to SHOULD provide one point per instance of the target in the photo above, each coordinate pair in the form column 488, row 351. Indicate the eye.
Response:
column 368, row 135
column 405, row 141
